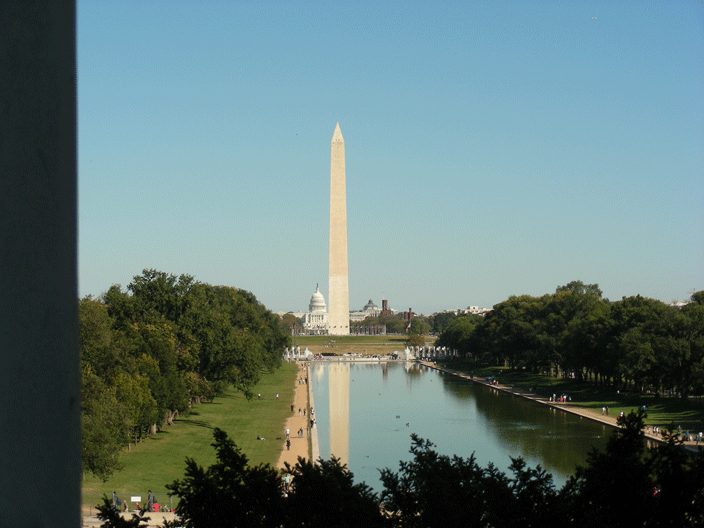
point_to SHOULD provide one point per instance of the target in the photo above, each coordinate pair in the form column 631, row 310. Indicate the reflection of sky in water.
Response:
column 387, row 405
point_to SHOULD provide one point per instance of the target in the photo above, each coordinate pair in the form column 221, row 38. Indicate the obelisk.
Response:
column 338, row 294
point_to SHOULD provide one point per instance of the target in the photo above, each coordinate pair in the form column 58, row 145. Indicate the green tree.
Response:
column 324, row 494
column 230, row 492
column 616, row 487
column 99, row 342
column 103, row 429
column 680, row 348
column 435, row 490
column 458, row 334
column 442, row 320
column 587, row 339
column 636, row 324
column 579, row 288
column 512, row 335
column 113, row 519
column 289, row 323
column 418, row 327
column 415, row 340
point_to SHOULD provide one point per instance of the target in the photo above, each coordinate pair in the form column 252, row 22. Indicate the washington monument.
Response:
column 338, row 293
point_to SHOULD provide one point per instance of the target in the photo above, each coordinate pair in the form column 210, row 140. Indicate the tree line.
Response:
column 626, row 485
column 163, row 345
column 635, row 343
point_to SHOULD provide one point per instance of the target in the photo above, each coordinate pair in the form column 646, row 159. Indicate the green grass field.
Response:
column 662, row 411
column 391, row 340
column 161, row 459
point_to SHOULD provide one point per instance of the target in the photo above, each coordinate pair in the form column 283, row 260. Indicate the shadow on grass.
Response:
column 197, row 423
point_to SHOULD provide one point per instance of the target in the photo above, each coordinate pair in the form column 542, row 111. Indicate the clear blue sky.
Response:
column 492, row 148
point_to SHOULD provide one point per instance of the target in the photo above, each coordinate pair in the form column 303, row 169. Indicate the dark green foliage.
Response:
column 229, row 493
column 102, row 426
column 442, row 320
column 437, row 490
column 629, row 485
column 458, row 332
column 616, row 489
column 679, row 477
column 324, row 494
column 633, row 344
column 113, row 519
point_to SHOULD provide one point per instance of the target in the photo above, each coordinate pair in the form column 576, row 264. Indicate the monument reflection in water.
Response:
column 339, row 410
column 366, row 413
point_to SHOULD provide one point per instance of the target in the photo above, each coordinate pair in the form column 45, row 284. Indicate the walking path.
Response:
column 566, row 407
column 299, row 445
column 89, row 518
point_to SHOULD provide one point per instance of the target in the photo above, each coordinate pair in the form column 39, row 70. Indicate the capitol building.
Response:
column 316, row 321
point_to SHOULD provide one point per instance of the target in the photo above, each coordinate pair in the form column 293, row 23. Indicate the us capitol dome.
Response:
column 317, row 302
column 316, row 320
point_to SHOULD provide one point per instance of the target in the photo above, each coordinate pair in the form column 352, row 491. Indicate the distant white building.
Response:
column 370, row 310
column 470, row 310
column 474, row 310
column 316, row 319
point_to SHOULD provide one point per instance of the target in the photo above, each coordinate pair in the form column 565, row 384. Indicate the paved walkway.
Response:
column 566, row 407
column 299, row 445
column 89, row 519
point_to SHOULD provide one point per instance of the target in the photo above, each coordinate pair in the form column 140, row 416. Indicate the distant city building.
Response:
column 385, row 307
column 474, row 310
column 370, row 310
column 678, row 304
column 470, row 310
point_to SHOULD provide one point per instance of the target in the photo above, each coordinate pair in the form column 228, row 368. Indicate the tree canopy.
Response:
column 636, row 342
column 165, row 343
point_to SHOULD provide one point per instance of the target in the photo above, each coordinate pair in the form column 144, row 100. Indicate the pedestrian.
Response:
column 288, row 444
column 288, row 432
column 277, row 395
column 259, row 396
column 603, row 411
column 150, row 500
column 308, row 431
column 115, row 501
column 287, row 481
column 299, row 411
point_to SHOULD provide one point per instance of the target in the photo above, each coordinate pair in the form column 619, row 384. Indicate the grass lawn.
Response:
column 662, row 411
column 161, row 459
column 365, row 345
column 389, row 340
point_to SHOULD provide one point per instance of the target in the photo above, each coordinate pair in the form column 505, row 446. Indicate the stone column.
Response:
column 40, row 458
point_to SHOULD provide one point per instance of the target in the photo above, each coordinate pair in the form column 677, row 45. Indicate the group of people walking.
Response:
column 118, row 504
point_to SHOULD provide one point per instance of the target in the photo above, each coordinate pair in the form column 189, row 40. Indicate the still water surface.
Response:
column 376, row 407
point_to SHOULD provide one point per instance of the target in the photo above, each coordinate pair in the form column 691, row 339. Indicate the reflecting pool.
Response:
column 366, row 413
